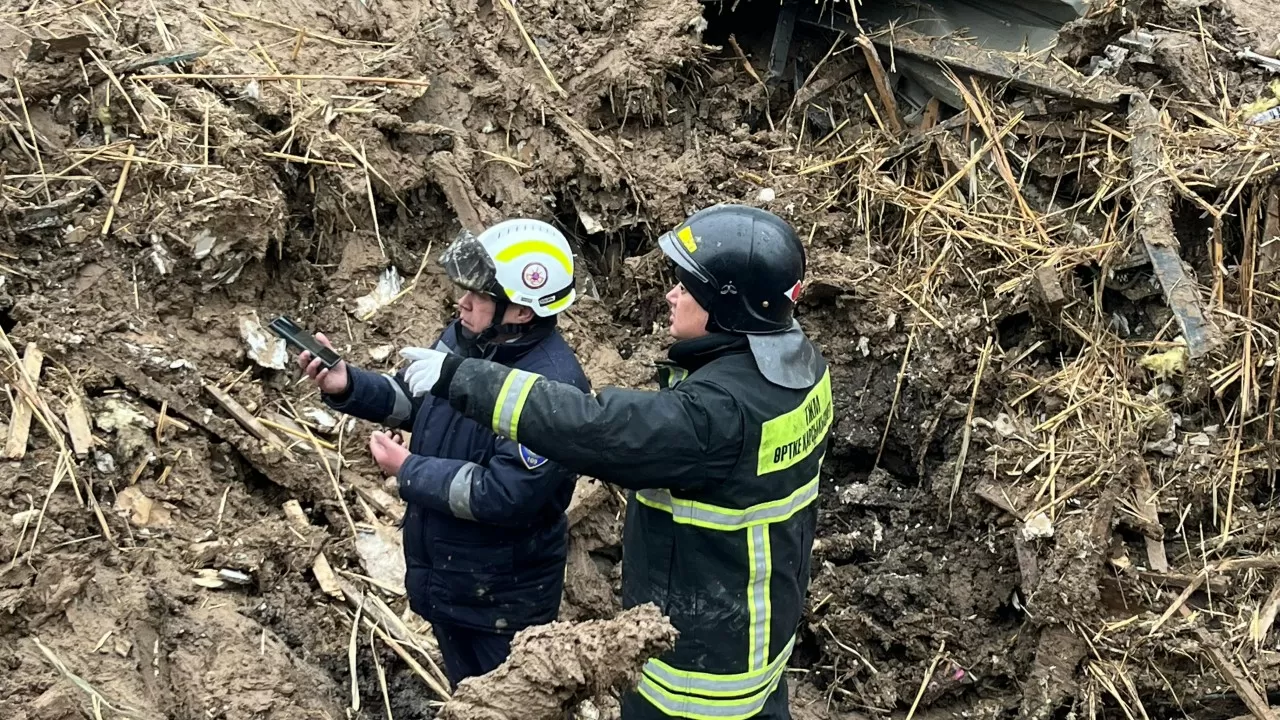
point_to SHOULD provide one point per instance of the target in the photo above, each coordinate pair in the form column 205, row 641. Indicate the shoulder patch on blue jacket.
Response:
column 531, row 460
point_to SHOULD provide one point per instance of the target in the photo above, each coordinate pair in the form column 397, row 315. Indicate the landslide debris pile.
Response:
column 1047, row 293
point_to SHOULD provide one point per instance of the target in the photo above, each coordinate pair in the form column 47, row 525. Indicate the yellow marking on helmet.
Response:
column 686, row 238
column 559, row 304
column 511, row 252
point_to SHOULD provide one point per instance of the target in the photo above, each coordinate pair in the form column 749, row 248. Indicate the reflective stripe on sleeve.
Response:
column 460, row 491
column 510, row 403
column 402, row 408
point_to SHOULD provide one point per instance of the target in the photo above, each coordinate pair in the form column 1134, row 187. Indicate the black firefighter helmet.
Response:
column 745, row 267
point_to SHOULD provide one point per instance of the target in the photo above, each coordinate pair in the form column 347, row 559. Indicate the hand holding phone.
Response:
column 317, row 357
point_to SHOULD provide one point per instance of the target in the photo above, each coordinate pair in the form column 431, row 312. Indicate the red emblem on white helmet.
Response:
column 534, row 275
column 794, row 293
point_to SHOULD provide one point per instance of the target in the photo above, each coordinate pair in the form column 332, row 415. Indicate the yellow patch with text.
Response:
column 792, row 437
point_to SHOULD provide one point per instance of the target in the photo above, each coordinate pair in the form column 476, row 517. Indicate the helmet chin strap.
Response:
column 483, row 341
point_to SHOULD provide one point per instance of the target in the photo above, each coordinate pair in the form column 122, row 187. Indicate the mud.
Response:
column 553, row 668
column 188, row 593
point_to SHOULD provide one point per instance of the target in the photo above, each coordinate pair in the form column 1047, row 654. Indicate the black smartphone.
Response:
column 300, row 339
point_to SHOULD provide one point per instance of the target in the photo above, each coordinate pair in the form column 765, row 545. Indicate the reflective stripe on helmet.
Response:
column 532, row 265
column 513, row 252
column 673, row 248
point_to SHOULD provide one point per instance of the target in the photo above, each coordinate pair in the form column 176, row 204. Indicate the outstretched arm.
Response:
column 680, row 439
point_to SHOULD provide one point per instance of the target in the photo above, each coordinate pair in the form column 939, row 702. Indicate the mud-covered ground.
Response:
column 154, row 222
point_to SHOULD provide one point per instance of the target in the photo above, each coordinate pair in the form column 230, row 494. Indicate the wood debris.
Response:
column 393, row 508
column 78, row 425
column 1155, row 226
column 25, row 397
column 246, row 419
column 320, row 567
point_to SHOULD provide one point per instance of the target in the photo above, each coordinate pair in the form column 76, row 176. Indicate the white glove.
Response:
column 424, row 369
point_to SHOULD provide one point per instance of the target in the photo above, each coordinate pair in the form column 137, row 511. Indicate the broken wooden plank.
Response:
column 1266, row 616
column 997, row 497
column 23, row 406
column 1145, row 500
column 382, row 501
column 780, row 49
column 245, row 418
column 320, row 567
column 888, row 102
column 78, row 425
column 1154, row 219
column 1021, row 70
column 1260, row 562
column 271, row 465
column 1269, row 243
column 1256, row 703
column 325, row 577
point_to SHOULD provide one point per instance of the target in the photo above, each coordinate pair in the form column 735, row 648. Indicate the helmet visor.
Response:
column 468, row 265
column 676, row 251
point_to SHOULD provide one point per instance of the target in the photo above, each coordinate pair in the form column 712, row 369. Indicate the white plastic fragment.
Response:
column 25, row 517
column 389, row 286
column 1039, row 526
column 589, row 222
column 265, row 348
column 324, row 420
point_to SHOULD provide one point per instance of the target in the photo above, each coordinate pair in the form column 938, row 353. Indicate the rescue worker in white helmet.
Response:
column 723, row 461
column 485, row 534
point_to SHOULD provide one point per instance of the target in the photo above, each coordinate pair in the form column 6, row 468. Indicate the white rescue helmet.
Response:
column 528, row 262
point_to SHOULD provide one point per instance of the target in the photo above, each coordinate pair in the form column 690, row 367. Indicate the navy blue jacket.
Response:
column 485, row 535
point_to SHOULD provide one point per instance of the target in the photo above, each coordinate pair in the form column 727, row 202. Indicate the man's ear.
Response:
column 523, row 314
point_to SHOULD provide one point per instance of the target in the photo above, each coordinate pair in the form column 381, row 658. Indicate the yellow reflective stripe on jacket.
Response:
column 713, row 517
column 510, row 403
column 758, row 594
column 696, row 708
column 714, row 685
column 791, row 437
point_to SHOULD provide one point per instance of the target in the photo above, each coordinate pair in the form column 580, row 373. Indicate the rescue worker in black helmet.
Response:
column 723, row 461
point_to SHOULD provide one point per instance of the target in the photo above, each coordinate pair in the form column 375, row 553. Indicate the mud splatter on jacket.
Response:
column 724, row 468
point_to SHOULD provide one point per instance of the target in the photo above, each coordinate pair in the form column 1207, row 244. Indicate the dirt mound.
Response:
column 1048, row 305
column 554, row 667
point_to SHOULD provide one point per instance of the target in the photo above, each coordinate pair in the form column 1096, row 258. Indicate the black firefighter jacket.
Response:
column 719, row 530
